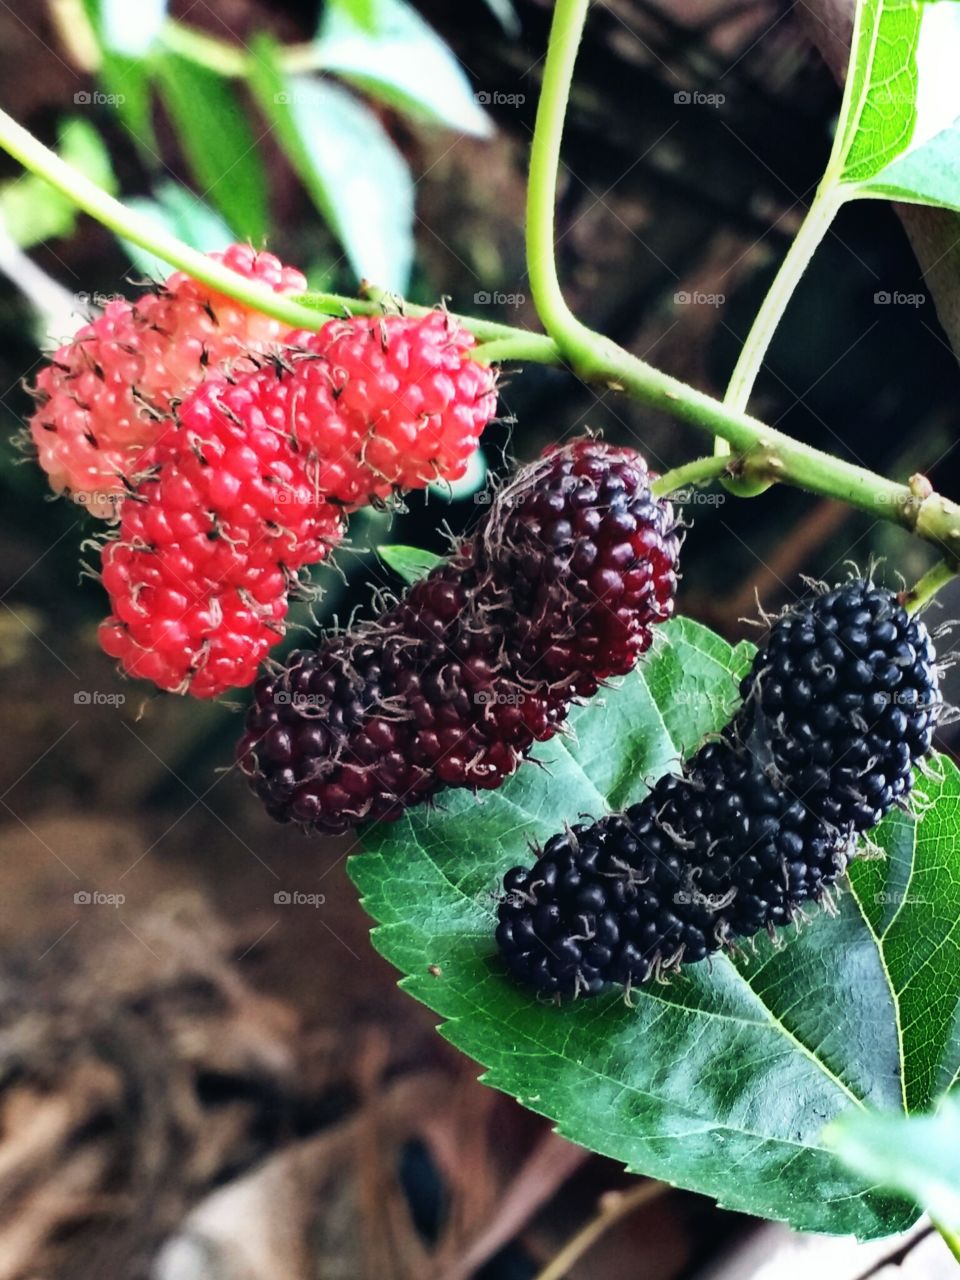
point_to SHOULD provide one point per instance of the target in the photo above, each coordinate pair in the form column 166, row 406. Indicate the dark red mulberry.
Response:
column 453, row 685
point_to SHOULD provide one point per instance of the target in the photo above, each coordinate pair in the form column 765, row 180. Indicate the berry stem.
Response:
column 928, row 586
column 613, row 1206
column 143, row 231
column 569, row 17
column 814, row 227
column 700, row 471
column 764, row 453
column 950, row 1236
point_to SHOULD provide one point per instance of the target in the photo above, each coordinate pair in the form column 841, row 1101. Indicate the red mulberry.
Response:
column 104, row 396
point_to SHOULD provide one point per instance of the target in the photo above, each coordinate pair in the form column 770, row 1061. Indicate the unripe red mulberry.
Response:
column 104, row 396
column 394, row 402
column 209, row 543
column 480, row 659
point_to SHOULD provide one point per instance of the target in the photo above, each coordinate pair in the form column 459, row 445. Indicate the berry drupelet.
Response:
column 711, row 855
column 480, row 659
column 842, row 701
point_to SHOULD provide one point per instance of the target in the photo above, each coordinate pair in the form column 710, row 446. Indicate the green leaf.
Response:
column 33, row 211
column 402, row 61
column 918, row 1156
column 355, row 175
column 125, row 34
column 722, row 1081
column 180, row 212
column 218, row 142
column 127, row 28
column 898, row 135
column 409, row 563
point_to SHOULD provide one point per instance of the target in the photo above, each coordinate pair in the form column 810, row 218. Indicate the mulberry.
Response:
column 209, row 543
column 842, row 701
column 393, row 402
column 481, row 658
column 714, row 854
column 104, row 396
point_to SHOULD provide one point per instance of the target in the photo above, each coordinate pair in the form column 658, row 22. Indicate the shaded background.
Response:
column 204, row 1082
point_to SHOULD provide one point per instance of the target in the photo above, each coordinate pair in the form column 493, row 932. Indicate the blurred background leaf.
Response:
column 32, row 210
column 400, row 60
column 218, row 142
column 917, row 1155
column 355, row 175
column 177, row 210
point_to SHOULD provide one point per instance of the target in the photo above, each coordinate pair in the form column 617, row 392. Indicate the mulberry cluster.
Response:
column 451, row 687
column 250, row 481
column 104, row 396
column 840, row 704
column 209, row 543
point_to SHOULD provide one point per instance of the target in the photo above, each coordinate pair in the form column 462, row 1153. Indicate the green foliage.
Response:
column 506, row 15
column 178, row 211
column 917, row 1156
column 739, row 1063
column 899, row 132
column 401, row 60
column 409, row 563
column 218, row 141
column 32, row 210
column 356, row 176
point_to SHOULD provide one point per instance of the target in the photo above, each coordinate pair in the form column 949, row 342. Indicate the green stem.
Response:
column 928, row 586
column 559, row 321
column 533, row 347
column 812, row 230
column 376, row 301
column 146, row 233
column 814, row 227
column 226, row 59
column 763, row 452
column 700, row 471
column 950, row 1236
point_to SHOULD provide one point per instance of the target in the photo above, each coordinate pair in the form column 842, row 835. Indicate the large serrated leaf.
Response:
column 724, row 1080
